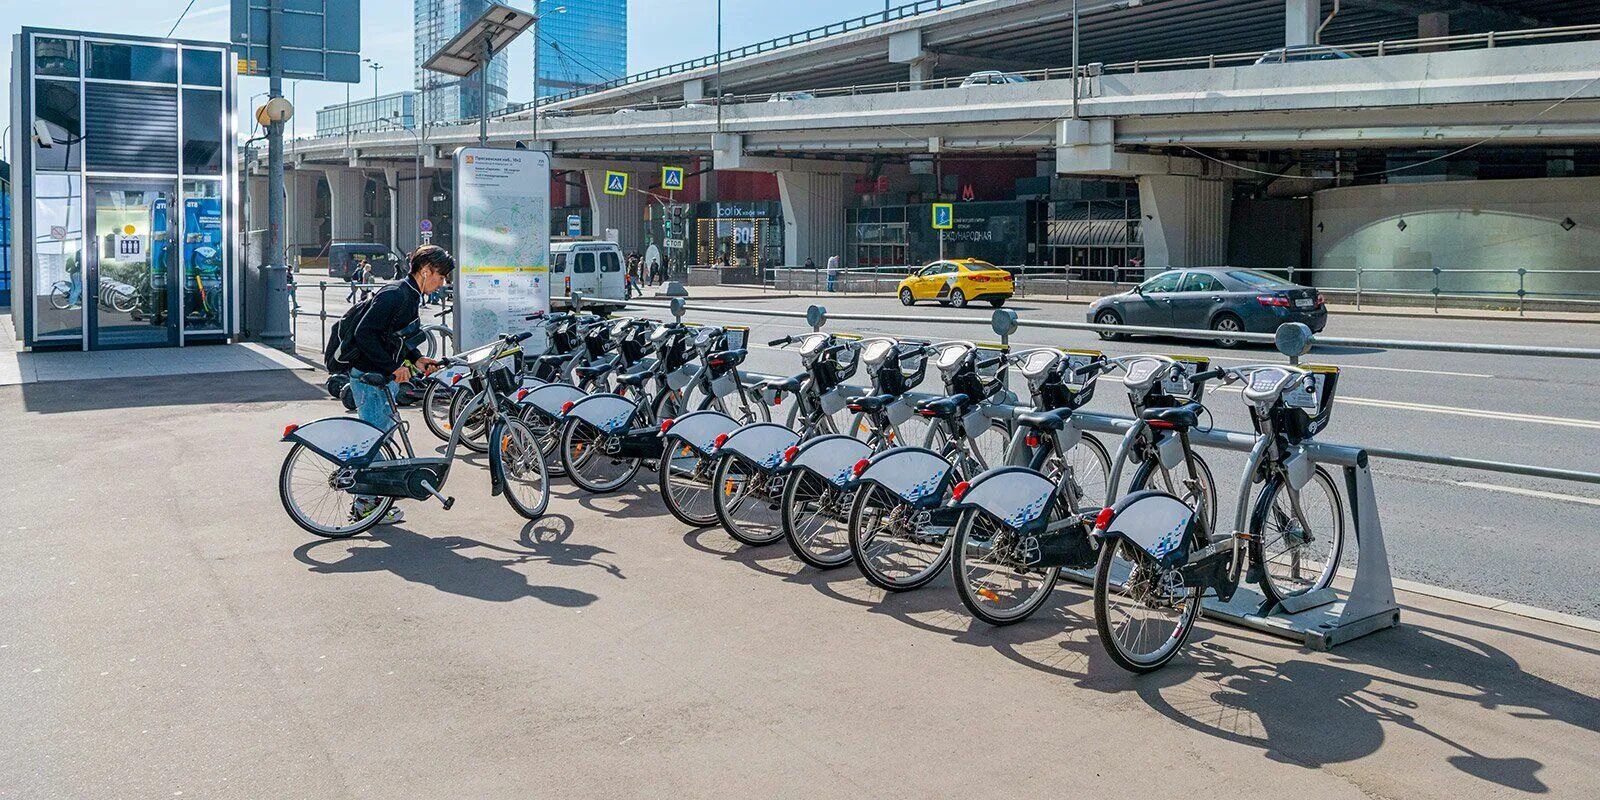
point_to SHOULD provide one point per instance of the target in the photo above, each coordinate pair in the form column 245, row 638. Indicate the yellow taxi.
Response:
column 957, row 282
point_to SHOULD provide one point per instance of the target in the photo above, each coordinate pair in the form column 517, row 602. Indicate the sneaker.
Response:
column 394, row 517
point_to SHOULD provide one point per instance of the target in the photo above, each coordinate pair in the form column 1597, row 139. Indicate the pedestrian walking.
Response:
column 833, row 272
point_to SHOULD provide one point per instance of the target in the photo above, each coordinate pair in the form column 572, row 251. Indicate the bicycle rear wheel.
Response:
column 584, row 457
column 744, row 503
column 1200, row 496
column 548, row 432
column 893, row 542
column 1296, row 553
column 475, row 436
column 309, row 487
column 437, row 402
column 994, row 582
column 686, row 487
column 1144, row 613
column 816, row 520
column 515, row 457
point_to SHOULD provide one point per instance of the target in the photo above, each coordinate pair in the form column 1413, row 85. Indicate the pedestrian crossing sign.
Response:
column 672, row 179
column 944, row 216
column 616, row 183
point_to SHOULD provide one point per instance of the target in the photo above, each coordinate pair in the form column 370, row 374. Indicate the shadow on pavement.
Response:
column 443, row 564
column 264, row 386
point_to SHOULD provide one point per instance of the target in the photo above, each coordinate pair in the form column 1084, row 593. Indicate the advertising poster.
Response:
column 202, row 263
column 502, row 236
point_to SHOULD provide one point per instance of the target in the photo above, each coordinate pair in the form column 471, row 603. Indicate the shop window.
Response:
column 203, row 257
column 55, row 57
column 202, row 67
column 58, row 257
column 56, row 104
column 202, row 132
column 132, row 62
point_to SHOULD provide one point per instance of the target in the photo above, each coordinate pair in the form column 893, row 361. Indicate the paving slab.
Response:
column 168, row 630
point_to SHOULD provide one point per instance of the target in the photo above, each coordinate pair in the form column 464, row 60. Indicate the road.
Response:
column 1497, row 535
column 169, row 633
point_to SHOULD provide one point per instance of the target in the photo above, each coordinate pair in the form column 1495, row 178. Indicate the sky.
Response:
column 660, row 32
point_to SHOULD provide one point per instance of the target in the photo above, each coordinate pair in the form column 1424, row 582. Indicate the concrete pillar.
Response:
column 1185, row 221
column 813, row 216
column 625, row 213
column 921, row 70
column 347, row 188
column 305, row 225
column 905, row 47
column 405, row 209
column 1431, row 25
column 1301, row 18
column 694, row 90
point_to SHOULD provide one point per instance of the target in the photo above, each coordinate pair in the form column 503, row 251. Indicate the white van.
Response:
column 592, row 267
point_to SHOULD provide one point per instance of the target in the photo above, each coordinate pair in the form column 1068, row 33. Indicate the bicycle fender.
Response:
column 610, row 413
column 549, row 398
column 1014, row 495
column 447, row 376
column 700, row 429
column 830, row 457
column 1157, row 522
column 916, row 474
column 682, row 376
column 345, row 441
column 761, row 444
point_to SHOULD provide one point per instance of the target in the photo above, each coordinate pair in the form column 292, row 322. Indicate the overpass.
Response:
column 1183, row 126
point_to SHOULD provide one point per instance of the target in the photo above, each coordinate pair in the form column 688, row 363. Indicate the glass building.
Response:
column 388, row 111
column 122, row 190
column 447, row 98
column 5, row 234
column 582, row 46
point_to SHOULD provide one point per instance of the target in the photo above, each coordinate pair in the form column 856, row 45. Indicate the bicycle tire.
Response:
column 1172, row 643
column 981, row 601
column 803, row 542
column 299, row 516
column 686, row 504
column 436, row 405
column 868, row 562
column 1143, row 476
column 746, row 528
column 475, row 437
column 1264, row 506
column 579, row 449
column 518, row 467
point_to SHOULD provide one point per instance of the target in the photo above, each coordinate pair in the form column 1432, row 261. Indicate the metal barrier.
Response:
column 1319, row 620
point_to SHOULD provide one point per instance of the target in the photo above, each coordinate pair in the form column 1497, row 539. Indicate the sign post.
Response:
column 944, row 218
column 502, row 239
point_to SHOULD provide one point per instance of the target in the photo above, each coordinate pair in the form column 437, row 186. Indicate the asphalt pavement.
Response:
column 168, row 632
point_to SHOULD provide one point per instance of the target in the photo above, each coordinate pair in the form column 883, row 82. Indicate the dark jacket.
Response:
column 378, row 343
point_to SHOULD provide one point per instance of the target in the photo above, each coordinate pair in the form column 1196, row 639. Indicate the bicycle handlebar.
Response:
column 780, row 342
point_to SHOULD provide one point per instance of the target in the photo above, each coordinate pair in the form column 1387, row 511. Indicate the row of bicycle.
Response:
column 1008, row 491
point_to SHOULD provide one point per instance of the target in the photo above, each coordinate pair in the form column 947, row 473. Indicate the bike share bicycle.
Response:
column 1020, row 524
column 542, row 404
column 1159, row 557
column 607, row 438
column 337, row 460
column 900, row 531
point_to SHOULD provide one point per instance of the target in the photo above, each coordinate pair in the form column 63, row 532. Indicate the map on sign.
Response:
column 502, row 235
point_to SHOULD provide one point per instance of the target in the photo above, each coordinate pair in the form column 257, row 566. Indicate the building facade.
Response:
column 446, row 98
column 396, row 110
column 581, row 46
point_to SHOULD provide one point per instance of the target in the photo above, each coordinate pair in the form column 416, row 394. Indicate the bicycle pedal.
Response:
column 448, row 502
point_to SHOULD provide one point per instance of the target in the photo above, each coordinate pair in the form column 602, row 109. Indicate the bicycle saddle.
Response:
column 1045, row 420
column 593, row 370
column 944, row 407
column 782, row 384
column 635, row 378
column 374, row 379
column 871, row 402
column 552, row 360
column 1184, row 416
column 727, row 358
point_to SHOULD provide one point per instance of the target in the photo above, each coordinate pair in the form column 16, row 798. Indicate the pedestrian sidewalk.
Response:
column 18, row 367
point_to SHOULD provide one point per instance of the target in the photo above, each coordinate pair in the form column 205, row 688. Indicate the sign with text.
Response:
column 944, row 216
column 502, row 242
column 574, row 225
column 616, row 183
column 672, row 179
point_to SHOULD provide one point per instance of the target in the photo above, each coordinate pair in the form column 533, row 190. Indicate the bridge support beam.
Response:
column 347, row 190
column 305, row 223
column 1186, row 220
column 1432, row 25
column 813, row 215
column 905, row 47
column 625, row 213
column 1301, row 18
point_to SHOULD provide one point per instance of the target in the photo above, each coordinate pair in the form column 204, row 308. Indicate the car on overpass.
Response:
column 992, row 77
column 1223, row 299
column 957, row 282
column 1302, row 53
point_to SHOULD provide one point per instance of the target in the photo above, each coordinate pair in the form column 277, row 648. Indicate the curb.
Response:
column 1503, row 606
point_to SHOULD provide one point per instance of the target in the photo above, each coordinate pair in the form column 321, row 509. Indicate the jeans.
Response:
column 371, row 405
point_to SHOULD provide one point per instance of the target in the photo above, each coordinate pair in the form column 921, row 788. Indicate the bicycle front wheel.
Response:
column 816, row 520
column 1297, row 552
column 896, row 545
column 548, row 432
column 437, row 402
column 515, row 457
column 744, row 502
column 1198, row 492
column 994, row 582
column 1143, row 612
column 585, row 458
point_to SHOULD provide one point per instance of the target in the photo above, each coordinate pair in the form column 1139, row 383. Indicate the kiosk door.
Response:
column 131, row 257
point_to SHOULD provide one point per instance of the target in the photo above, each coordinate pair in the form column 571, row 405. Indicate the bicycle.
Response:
column 1020, row 524
column 337, row 461
column 1159, row 557
column 900, row 530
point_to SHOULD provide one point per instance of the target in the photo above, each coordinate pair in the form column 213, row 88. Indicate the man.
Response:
column 833, row 271
column 378, row 343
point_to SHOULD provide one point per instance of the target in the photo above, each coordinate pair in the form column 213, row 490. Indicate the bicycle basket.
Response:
column 677, row 350
column 1307, row 413
column 1062, row 387
column 502, row 377
column 1178, row 384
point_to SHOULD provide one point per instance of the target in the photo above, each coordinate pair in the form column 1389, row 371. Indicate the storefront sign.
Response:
column 740, row 211
column 672, row 244
column 502, row 239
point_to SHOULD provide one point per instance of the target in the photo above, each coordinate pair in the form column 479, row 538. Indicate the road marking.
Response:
column 1366, row 366
column 1539, row 493
column 1473, row 412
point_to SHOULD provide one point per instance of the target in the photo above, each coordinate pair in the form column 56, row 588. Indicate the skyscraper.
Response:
column 582, row 46
column 446, row 98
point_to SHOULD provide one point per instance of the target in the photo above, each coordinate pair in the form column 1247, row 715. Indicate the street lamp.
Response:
column 375, row 66
column 536, row 45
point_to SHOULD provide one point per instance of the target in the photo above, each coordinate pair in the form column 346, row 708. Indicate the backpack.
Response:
column 337, row 353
